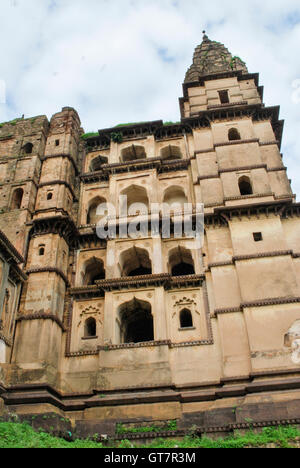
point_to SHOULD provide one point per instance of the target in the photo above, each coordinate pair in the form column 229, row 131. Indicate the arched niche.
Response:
column 93, row 270
column 135, row 262
column 136, row 322
column 181, row 262
column 92, row 217
column 171, row 153
column 133, row 153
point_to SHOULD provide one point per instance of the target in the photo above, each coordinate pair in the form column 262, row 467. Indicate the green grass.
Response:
column 14, row 435
column 85, row 136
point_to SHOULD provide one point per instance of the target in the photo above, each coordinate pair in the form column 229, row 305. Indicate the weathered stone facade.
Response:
column 121, row 329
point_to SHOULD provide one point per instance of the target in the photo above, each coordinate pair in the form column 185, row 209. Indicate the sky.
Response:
column 119, row 61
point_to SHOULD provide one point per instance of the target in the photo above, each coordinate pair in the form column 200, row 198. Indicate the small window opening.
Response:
column 90, row 328
column 49, row 196
column 245, row 186
column 56, row 142
column 28, row 148
column 224, row 97
column 17, row 199
column 41, row 250
column 234, row 135
column 257, row 236
column 186, row 319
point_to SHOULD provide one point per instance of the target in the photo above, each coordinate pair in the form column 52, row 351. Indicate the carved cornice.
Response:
column 148, row 344
column 279, row 253
column 258, row 303
column 59, row 182
column 247, row 197
column 240, row 258
column 270, row 302
column 62, row 155
column 230, row 104
column 220, row 264
column 8, row 249
column 134, row 166
column 61, row 225
column 32, row 317
column 236, row 142
column 6, row 340
column 49, row 270
column 165, row 280
column 87, row 292
column 16, row 274
column 276, row 208
column 81, row 354
column 255, row 111
column 243, row 168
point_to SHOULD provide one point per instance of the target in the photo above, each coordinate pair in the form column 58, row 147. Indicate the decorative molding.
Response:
column 12, row 251
column 258, row 303
column 220, row 264
column 31, row 317
column 243, row 168
column 192, row 343
column 7, row 341
column 230, row 310
column 236, row 142
column 148, row 344
column 279, row 253
column 61, row 225
column 208, row 150
column 248, row 197
column 49, row 270
column 229, row 104
column 270, row 302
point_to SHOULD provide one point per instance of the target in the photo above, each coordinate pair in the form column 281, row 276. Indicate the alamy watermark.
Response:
column 161, row 220
column 2, row 92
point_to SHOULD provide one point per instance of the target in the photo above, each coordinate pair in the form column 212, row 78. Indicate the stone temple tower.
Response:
column 121, row 330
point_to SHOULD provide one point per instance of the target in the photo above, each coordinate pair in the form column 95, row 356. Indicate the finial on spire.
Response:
column 205, row 37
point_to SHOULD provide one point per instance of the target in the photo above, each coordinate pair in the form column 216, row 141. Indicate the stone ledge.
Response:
column 49, row 270
column 31, row 317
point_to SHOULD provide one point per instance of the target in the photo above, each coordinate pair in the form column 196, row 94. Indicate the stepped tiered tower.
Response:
column 114, row 330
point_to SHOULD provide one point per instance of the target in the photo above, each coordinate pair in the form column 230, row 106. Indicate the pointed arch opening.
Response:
column 93, row 271
column 133, row 153
column 234, row 134
column 17, row 199
column 137, row 201
column 245, row 186
column 135, row 262
column 92, row 217
column 136, row 322
column 186, row 319
column 97, row 163
column 171, row 153
column 175, row 198
column 181, row 262
column 90, row 328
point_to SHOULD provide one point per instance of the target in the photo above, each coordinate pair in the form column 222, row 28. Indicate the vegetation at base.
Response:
column 13, row 435
column 170, row 427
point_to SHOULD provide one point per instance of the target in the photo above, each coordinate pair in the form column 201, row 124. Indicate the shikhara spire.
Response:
column 211, row 58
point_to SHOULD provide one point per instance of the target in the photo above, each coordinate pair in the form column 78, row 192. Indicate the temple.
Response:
column 102, row 332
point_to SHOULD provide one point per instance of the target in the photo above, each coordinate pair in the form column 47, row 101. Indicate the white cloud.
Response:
column 105, row 57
